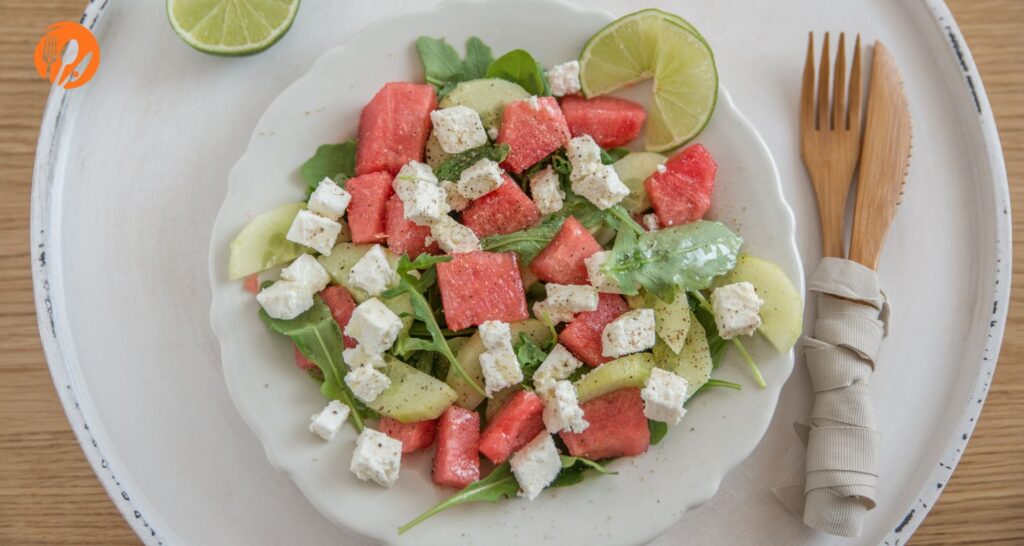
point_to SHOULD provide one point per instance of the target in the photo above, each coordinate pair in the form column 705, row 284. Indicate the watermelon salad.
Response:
column 487, row 276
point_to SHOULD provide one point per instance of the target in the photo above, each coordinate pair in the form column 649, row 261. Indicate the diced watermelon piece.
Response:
column 617, row 428
column 367, row 210
column 531, row 133
column 516, row 423
column 562, row 260
column 252, row 283
column 582, row 336
column 341, row 303
column 480, row 286
column 414, row 436
column 682, row 193
column 301, row 361
column 394, row 127
column 457, row 462
column 404, row 235
column 503, row 210
column 611, row 121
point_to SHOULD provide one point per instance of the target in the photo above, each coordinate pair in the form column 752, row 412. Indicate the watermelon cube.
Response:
column 414, row 436
column 394, row 127
column 562, row 260
column 533, row 128
column 682, row 193
column 617, row 428
column 503, row 210
column 341, row 303
column 610, row 121
column 368, row 208
column 404, row 235
column 517, row 422
column 457, row 461
column 582, row 336
column 481, row 286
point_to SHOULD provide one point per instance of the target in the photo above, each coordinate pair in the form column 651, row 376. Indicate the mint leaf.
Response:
column 658, row 431
column 330, row 161
column 573, row 469
column 500, row 484
column 452, row 167
column 519, row 67
column 444, row 69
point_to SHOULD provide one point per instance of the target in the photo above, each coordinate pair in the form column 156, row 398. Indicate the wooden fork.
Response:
column 830, row 137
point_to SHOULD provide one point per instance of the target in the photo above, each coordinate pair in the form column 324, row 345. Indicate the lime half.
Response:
column 653, row 44
column 231, row 27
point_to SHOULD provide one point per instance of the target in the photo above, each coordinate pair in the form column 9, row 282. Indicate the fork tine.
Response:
column 839, row 87
column 807, row 89
column 855, row 89
column 823, row 87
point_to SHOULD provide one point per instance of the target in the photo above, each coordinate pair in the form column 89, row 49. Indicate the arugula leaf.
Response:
column 501, row 483
column 716, row 344
column 573, row 469
column 530, row 357
column 335, row 161
column 318, row 337
column 686, row 257
column 519, row 67
column 444, row 69
column 612, row 155
column 714, row 384
column 658, row 431
column 452, row 167
column 478, row 58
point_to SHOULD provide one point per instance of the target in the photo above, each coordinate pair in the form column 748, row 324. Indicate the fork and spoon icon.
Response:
column 67, row 55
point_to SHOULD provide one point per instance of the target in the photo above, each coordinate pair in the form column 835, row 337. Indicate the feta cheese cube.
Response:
column 546, row 191
column 562, row 409
column 736, row 309
column 372, row 273
column 306, row 270
column 501, row 369
column 412, row 171
column 329, row 200
column 481, row 178
column 585, row 156
column 456, row 201
column 358, row 356
column 285, row 300
column 495, row 334
column 571, row 298
column 453, row 237
column 377, row 457
column 424, row 202
column 651, row 222
column 458, row 129
column 314, row 231
column 536, row 465
column 330, row 419
column 598, row 279
column 664, row 394
column 374, row 326
column 564, row 79
column 558, row 365
column 602, row 187
column 630, row 333
column 367, row 383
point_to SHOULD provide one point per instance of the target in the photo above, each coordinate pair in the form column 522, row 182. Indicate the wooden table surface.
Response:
column 49, row 495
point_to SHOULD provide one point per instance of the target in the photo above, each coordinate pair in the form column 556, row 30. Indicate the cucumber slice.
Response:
column 413, row 395
column 469, row 358
column 693, row 362
column 261, row 243
column 633, row 170
column 626, row 372
column 487, row 96
column 782, row 315
column 672, row 320
column 433, row 153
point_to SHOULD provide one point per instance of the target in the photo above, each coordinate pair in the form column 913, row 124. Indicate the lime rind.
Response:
column 231, row 28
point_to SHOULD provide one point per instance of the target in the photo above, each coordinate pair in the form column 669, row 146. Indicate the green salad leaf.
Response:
column 716, row 344
column 658, row 431
column 714, row 384
column 573, row 469
column 452, row 167
column 444, row 69
column 501, row 483
column 334, row 161
column 519, row 67
column 530, row 357
column 527, row 243
column 612, row 155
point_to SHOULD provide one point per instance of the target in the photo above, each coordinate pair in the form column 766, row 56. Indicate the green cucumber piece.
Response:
column 693, row 362
column 488, row 96
column 633, row 170
column 627, row 372
column 469, row 359
column 433, row 153
column 782, row 315
column 261, row 244
column 413, row 395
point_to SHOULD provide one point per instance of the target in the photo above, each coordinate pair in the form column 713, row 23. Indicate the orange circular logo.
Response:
column 67, row 55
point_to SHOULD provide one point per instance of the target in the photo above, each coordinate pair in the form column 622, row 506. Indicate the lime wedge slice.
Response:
column 653, row 44
column 261, row 244
column 231, row 27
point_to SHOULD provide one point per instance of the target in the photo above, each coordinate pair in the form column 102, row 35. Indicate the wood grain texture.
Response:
column 49, row 495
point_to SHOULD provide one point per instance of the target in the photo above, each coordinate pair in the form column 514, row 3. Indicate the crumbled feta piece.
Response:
column 545, row 312
column 501, row 369
column 558, row 365
column 367, row 383
column 329, row 200
column 412, row 171
column 377, row 457
column 306, row 270
column 585, row 156
column 630, row 333
column 602, row 187
column 315, row 231
column 651, row 222
column 598, row 279
column 536, row 465
column 562, row 409
column 533, row 102
column 564, row 79
column 358, row 356
column 662, row 169
column 664, row 394
column 424, row 201
column 372, row 273
column 480, row 178
column 736, row 309
column 495, row 334
column 493, row 133
column 565, row 300
column 456, row 201
column 285, row 300
column 458, row 129
column 330, row 419
column 374, row 326
column 546, row 191
column 453, row 237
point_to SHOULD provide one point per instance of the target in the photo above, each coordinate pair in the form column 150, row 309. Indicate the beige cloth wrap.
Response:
column 842, row 443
